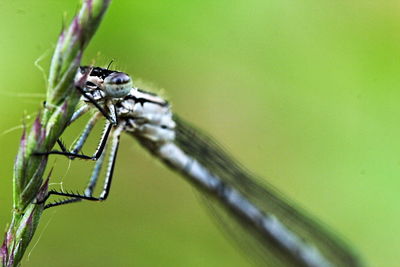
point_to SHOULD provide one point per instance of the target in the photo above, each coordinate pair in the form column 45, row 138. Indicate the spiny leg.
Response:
column 84, row 135
column 111, row 162
column 89, row 188
column 93, row 180
column 95, row 175
column 77, row 114
column 80, row 141
column 62, row 202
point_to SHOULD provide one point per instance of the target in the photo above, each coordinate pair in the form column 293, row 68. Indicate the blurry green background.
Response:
column 305, row 94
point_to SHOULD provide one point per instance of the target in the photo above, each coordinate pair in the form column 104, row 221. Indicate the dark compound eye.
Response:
column 119, row 78
column 117, row 84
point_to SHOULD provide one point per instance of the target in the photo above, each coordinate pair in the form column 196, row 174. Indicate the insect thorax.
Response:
column 147, row 115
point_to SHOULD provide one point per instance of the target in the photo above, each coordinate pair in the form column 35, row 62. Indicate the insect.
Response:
column 279, row 234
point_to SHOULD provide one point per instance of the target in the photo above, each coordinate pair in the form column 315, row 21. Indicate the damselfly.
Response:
column 276, row 232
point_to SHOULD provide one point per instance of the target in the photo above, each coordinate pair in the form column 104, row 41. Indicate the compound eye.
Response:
column 117, row 84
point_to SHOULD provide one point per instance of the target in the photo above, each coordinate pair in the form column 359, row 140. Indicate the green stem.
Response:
column 61, row 101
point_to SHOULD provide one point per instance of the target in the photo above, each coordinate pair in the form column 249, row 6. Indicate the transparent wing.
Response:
column 236, row 230
column 282, row 236
column 208, row 153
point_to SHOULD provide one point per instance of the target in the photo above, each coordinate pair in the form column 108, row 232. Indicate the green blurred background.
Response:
column 305, row 94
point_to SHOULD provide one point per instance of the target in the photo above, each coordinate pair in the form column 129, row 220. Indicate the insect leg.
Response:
column 75, row 197
column 85, row 133
column 77, row 114
column 111, row 162
column 95, row 176
column 81, row 140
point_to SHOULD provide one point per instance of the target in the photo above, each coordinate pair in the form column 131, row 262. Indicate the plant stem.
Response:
column 61, row 101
